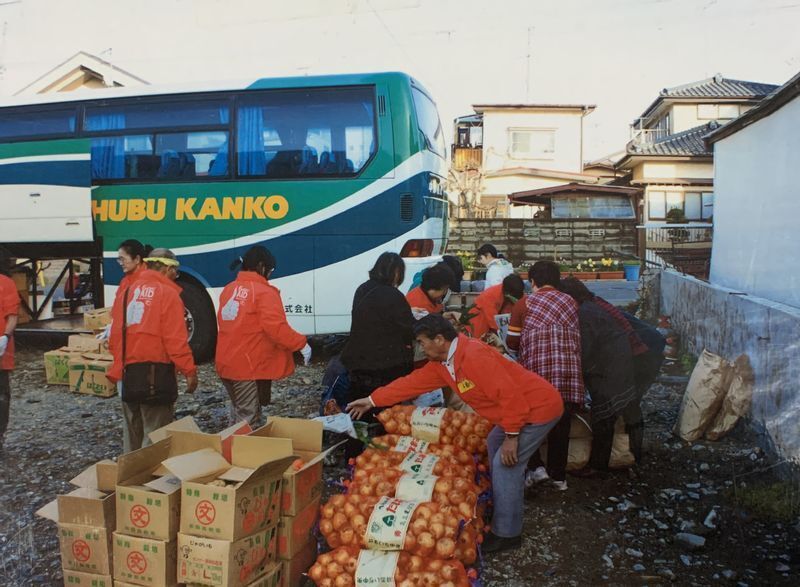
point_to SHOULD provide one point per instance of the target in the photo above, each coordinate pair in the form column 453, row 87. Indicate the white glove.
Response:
column 4, row 345
column 105, row 334
column 306, row 352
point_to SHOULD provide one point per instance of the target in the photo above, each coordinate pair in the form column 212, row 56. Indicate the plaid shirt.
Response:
column 550, row 342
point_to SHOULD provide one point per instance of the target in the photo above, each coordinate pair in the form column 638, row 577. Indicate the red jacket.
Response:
column 9, row 306
column 487, row 305
column 255, row 341
column 156, row 329
column 500, row 390
column 419, row 299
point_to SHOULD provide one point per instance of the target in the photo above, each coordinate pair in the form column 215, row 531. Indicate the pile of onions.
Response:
column 338, row 569
column 467, row 431
column 457, row 492
column 373, row 458
column 457, row 453
column 435, row 530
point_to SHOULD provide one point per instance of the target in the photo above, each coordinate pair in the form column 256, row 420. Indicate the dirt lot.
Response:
column 617, row 531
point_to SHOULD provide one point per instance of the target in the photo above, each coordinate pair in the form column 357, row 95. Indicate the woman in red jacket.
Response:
column 255, row 342
column 149, row 343
column 130, row 256
column 9, row 307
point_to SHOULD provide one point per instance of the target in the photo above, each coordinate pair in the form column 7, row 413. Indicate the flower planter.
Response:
column 594, row 275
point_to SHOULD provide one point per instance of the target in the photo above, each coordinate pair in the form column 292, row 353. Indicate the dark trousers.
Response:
column 5, row 401
column 645, row 370
column 557, row 449
column 602, row 443
column 362, row 384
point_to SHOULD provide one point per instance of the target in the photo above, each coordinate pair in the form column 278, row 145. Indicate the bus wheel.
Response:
column 200, row 320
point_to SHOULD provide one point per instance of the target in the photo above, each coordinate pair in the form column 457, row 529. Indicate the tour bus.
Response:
column 327, row 172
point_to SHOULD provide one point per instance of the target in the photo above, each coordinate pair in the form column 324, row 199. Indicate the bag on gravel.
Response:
column 704, row 394
column 737, row 401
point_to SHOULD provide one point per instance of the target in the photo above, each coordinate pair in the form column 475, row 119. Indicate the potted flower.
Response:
column 610, row 269
column 467, row 263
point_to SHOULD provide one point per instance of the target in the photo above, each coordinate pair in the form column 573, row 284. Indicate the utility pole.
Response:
column 528, row 65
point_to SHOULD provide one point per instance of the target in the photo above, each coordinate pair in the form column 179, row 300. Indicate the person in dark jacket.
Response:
column 378, row 350
column 607, row 366
column 457, row 267
column 646, row 367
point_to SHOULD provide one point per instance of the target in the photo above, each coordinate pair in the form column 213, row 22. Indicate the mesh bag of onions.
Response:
column 346, row 567
column 425, row 529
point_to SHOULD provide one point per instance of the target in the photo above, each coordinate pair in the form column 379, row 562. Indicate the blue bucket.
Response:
column 631, row 272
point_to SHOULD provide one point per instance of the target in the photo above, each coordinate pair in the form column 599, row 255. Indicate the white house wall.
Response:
column 757, row 206
column 496, row 139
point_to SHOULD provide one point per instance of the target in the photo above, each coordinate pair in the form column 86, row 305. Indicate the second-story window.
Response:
column 532, row 143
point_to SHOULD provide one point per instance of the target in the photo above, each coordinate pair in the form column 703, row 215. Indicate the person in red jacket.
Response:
column 430, row 295
column 9, row 309
column 498, row 299
column 255, row 343
column 130, row 256
column 155, row 337
column 522, row 406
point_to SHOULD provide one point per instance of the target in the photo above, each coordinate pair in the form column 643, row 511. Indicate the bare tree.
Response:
column 465, row 187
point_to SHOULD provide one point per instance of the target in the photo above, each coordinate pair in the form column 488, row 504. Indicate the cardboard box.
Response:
column 245, row 495
column 85, row 548
column 78, row 579
column 148, row 495
column 142, row 561
column 56, row 365
column 97, row 319
column 272, row 578
column 86, row 343
column 85, row 518
column 294, row 532
column 299, row 487
column 188, row 424
column 87, row 375
column 293, row 569
column 225, row 563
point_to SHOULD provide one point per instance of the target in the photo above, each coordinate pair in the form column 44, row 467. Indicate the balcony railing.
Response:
column 647, row 136
column 683, row 247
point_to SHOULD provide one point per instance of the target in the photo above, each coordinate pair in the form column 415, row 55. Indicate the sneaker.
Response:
column 538, row 475
column 494, row 543
column 559, row 485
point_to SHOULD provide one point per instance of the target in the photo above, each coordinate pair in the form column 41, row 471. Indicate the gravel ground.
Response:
column 623, row 530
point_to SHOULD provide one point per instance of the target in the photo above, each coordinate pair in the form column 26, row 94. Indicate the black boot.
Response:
column 494, row 543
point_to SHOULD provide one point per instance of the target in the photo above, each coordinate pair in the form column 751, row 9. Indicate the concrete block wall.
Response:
column 729, row 323
column 524, row 241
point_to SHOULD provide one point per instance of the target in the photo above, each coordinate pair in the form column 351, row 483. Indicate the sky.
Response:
column 615, row 54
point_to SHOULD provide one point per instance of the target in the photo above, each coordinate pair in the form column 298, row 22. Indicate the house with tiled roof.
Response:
column 667, row 157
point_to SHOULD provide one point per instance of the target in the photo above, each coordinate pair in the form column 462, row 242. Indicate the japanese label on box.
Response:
column 388, row 523
column 407, row 443
column 415, row 487
column 376, row 568
column 426, row 423
column 418, row 463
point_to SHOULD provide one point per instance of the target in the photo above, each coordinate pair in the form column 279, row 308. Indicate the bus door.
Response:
column 45, row 192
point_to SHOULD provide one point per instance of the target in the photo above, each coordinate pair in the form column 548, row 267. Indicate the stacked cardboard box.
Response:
column 96, row 319
column 86, row 519
column 300, row 498
column 230, row 512
column 148, row 508
column 82, row 365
